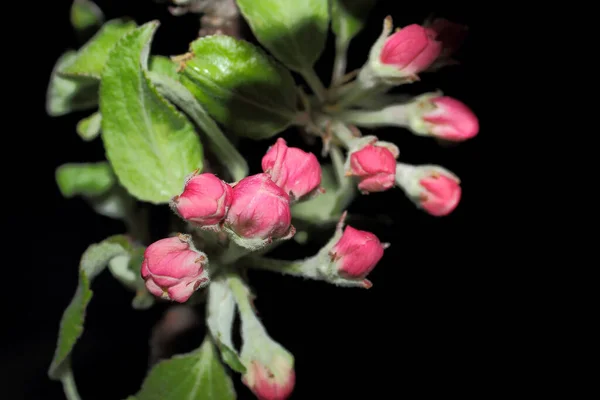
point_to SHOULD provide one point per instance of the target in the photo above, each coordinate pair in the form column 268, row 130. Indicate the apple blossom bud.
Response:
column 259, row 212
column 173, row 270
column 356, row 253
column 441, row 116
column 433, row 188
column 411, row 49
column 375, row 166
column 297, row 172
column 204, row 201
column 273, row 381
column 405, row 53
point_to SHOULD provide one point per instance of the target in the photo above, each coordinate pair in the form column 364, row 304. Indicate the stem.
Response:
column 219, row 144
column 69, row 386
column 396, row 115
column 339, row 63
column 343, row 134
column 337, row 159
column 294, row 268
column 314, row 82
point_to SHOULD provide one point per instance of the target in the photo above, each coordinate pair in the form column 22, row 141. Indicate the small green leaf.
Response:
column 93, row 55
column 85, row 14
column 240, row 86
column 66, row 95
column 218, row 143
column 293, row 30
column 348, row 18
column 126, row 269
column 89, row 179
column 198, row 375
column 231, row 358
column 151, row 146
column 164, row 66
column 89, row 127
column 93, row 261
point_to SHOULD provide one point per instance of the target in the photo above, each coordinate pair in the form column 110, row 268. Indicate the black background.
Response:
column 425, row 328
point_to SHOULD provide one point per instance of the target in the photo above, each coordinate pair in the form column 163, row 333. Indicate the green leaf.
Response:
column 89, row 127
column 66, row 95
column 218, row 143
column 348, row 18
column 293, row 30
column 220, row 314
column 89, row 179
column 240, row 86
column 163, row 65
column 126, row 269
column 194, row 376
column 93, row 261
column 92, row 57
column 151, row 146
column 85, row 14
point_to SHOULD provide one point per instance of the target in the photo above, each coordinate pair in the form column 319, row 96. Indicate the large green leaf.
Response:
column 194, row 376
column 240, row 86
column 348, row 18
column 87, row 179
column 66, row 95
column 93, row 261
column 152, row 147
column 92, row 57
column 293, row 30
column 218, row 143
column 85, row 14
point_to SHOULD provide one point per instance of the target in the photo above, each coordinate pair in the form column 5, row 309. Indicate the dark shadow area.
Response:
column 427, row 327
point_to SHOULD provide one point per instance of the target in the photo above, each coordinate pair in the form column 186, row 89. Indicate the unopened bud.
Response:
column 259, row 213
column 375, row 166
column 204, row 201
column 173, row 270
column 441, row 116
column 433, row 188
column 297, row 172
column 356, row 254
column 405, row 53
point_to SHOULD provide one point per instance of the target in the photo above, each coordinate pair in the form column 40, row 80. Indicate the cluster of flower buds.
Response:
column 254, row 212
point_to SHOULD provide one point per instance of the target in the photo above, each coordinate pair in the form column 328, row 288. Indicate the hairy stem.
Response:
column 339, row 63
column 69, row 386
column 315, row 83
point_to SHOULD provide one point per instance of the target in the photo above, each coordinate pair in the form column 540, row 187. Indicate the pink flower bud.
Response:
column 260, row 209
column 356, row 253
column 297, row 172
column 451, row 119
column 375, row 166
column 172, row 270
column 204, row 201
column 411, row 49
column 440, row 194
column 274, row 382
column 449, row 33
